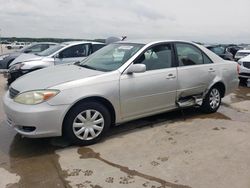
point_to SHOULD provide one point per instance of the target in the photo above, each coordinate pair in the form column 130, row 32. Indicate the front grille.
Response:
column 13, row 93
column 244, row 74
column 246, row 64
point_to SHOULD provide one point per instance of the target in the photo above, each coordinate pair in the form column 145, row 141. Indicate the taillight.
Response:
column 238, row 68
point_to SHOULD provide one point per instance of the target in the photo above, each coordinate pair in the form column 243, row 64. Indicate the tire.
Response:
column 212, row 101
column 9, row 81
column 82, row 133
column 243, row 80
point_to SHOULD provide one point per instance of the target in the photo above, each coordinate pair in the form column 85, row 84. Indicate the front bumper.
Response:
column 13, row 75
column 244, row 72
column 34, row 121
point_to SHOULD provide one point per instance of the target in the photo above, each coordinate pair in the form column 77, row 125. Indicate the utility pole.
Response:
column 1, row 46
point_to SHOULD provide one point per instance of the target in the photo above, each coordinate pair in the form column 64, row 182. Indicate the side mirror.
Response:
column 58, row 56
column 77, row 63
column 27, row 51
column 136, row 68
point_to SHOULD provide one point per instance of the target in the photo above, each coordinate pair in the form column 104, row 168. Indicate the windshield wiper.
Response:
column 86, row 66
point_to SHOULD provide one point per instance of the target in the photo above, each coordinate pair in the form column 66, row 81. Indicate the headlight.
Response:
column 35, row 97
column 17, row 66
column 3, row 57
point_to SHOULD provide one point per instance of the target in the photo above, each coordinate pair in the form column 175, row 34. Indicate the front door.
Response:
column 151, row 91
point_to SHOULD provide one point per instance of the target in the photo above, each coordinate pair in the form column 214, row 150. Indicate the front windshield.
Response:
column 111, row 57
column 27, row 47
column 218, row 50
column 51, row 50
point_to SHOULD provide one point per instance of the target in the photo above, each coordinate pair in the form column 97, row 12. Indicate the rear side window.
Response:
column 188, row 55
column 206, row 59
column 96, row 47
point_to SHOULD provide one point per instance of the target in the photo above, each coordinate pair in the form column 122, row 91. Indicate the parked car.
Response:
column 222, row 51
column 6, row 59
column 241, row 53
column 244, row 68
column 233, row 49
column 67, row 52
column 16, row 45
column 81, row 101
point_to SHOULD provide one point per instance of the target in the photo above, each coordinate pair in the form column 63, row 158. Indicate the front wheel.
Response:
column 243, row 80
column 212, row 101
column 86, row 123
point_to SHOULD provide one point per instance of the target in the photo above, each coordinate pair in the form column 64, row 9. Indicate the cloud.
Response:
column 209, row 21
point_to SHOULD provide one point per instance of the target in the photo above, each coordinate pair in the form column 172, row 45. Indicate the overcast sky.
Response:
column 200, row 20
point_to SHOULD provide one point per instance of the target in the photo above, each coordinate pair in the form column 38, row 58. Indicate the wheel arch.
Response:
column 221, row 86
column 97, row 99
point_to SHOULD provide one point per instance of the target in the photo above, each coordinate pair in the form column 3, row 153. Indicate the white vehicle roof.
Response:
column 148, row 42
column 243, row 51
column 79, row 42
column 245, row 59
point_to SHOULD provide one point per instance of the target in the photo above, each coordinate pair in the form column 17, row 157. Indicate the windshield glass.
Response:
column 51, row 50
column 111, row 57
column 218, row 50
column 27, row 47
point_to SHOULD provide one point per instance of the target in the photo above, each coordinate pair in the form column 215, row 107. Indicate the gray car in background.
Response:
column 67, row 52
column 6, row 59
column 120, row 82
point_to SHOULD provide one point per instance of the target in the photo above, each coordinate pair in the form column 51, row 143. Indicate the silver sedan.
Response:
column 121, row 82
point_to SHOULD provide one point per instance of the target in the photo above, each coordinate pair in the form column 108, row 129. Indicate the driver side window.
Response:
column 157, row 57
column 80, row 50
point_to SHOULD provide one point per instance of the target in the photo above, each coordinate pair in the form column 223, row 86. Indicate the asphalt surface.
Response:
column 177, row 149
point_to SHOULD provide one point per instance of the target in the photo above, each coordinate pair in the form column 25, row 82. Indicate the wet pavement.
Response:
column 177, row 149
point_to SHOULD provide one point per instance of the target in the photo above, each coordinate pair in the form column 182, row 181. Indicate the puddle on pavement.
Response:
column 33, row 160
column 87, row 153
column 241, row 94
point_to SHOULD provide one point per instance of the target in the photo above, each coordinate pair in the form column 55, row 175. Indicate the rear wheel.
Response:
column 212, row 101
column 86, row 123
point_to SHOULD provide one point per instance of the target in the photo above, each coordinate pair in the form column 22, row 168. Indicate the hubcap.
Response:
column 214, row 98
column 88, row 124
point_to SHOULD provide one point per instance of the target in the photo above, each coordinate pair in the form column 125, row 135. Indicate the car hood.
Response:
column 52, row 76
column 13, row 54
column 245, row 59
column 26, row 57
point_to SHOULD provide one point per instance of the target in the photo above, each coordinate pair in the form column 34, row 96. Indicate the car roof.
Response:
column 247, row 58
column 244, row 51
column 152, row 41
column 79, row 42
column 43, row 43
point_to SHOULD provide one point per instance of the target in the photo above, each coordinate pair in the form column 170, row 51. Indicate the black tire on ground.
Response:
column 208, row 106
column 9, row 47
column 9, row 81
column 243, row 80
column 71, row 117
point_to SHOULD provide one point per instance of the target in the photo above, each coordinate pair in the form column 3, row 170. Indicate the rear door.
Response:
column 195, row 71
column 151, row 91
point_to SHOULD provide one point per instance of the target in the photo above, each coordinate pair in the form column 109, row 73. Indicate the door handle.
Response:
column 211, row 70
column 171, row 76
